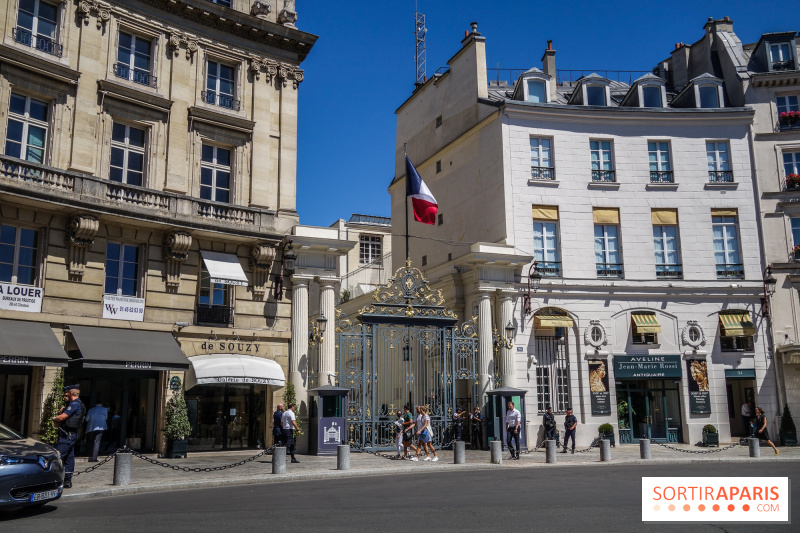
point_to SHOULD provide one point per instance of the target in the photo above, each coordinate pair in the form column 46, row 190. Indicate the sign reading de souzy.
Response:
column 240, row 380
column 20, row 298
column 123, row 308
column 647, row 366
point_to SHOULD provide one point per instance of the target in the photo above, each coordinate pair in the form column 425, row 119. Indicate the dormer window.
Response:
column 537, row 91
column 651, row 96
column 780, row 56
column 708, row 96
column 595, row 95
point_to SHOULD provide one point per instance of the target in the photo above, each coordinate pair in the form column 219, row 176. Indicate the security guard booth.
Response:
column 326, row 419
column 496, row 409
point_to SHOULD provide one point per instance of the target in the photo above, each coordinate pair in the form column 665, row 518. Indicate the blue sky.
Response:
column 362, row 69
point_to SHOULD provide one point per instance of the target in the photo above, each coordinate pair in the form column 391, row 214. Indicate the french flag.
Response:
column 422, row 200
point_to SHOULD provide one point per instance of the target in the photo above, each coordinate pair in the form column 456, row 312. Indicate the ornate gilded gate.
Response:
column 403, row 349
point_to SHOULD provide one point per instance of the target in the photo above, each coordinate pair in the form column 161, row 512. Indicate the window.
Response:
column 606, row 251
column 644, row 328
column 726, row 246
column 424, row 260
column 651, row 96
column 736, row 331
column 719, row 166
column 541, row 159
column 709, row 96
column 122, row 269
column 788, row 112
column 791, row 164
column 220, row 86
column 660, row 165
column 127, row 154
column 667, row 255
column 215, row 174
column 370, row 250
column 19, row 248
column 537, row 92
column 213, row 302
column 780, row 55
column 134, row 59
column 27, row 128
column 644, row 338
column 552, row 371
column 787, row 103
column 595, row 95
column 545, row 241
column 602, row 164
column 37, row 24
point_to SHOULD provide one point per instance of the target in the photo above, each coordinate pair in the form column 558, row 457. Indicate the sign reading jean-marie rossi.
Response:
column 123, row 308
column 598, row 385
column 699, row 396
column 647, row 366
column 20, row 298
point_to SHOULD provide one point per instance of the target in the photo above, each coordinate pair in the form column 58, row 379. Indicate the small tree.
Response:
column 176, row 418
column 48, row 432
column 787, row 424
column 289, row 395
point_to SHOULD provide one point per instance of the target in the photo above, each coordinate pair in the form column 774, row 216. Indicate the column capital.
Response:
column 484, row 294
column 300, row 281
column 326, row 282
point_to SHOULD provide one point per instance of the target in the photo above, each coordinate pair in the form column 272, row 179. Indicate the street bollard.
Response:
column 496, row 452
column 605, row 450
column 343, row 457
column 644, row 448
column 755, row 447
column 122, row 468
column 279, row 460
column 459, row 452
column 552, row 451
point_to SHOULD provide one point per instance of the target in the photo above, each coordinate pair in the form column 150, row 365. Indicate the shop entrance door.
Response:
column 226, row 417
column 654, row 409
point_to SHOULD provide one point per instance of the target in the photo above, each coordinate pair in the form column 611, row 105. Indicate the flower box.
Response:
column 788, row 118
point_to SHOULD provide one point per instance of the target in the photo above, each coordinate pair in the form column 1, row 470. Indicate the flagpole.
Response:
column 405, row 154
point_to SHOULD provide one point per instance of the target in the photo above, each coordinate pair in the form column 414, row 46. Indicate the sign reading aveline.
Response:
column 647, row 366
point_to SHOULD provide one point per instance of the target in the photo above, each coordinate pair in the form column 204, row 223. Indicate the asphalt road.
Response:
column 560, row 499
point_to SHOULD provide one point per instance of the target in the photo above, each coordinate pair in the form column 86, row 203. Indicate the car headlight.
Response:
column 7, row 460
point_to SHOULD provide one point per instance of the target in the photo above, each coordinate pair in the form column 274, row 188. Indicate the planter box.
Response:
column 608, row 436
column 710, row 439
column 788, row 440
column 177, row 448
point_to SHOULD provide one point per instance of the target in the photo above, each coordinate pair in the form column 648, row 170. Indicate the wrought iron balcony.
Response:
column 220, row 315
column 543, row 173
column 39, row 42
column 609, row 270
column 549, row 269
column 661, row 176
column 135, row 75
column 720, row 176
column 783, row 65
column 730, row 271
column 671, row 271
column 222, row 100
column 603, row 175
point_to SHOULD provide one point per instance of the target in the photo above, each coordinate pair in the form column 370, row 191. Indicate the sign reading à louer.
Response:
column 647, row 366
column 246, row 380
column 20, row 298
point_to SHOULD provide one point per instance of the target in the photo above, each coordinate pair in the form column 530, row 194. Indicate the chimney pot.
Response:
column 466, row 33
column 727, row 18
column 677, row 45
column 550, row 44
column 711, row 19
column 474, row 27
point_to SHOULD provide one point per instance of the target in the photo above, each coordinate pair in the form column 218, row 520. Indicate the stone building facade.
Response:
column 148, row 182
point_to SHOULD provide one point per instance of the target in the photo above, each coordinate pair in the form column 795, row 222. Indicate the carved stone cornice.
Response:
column 273, row 69
column 178, row 40
column 174, row 251
column 260, row 9
column 79, row 237
column 261, row 259
column 100, row 10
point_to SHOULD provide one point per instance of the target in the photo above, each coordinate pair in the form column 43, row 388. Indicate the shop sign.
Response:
column 238, row 347
column 175, row 384
column 240, row 380
column 598, row 386
column 647, row 366
column 20, row 298
column 13, row 360
column 138, row 365
column 699, row 396
column 123, row 308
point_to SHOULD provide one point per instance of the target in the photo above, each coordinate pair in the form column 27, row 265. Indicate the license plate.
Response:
column 39, row 496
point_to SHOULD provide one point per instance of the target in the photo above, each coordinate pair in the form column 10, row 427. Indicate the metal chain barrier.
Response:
column 544, row 442
column 200, row 469
column 697, row 451
column 98, row 465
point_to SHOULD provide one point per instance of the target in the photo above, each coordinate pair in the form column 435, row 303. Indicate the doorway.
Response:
column 739, row 391
column 226, row 417
column 653, row 409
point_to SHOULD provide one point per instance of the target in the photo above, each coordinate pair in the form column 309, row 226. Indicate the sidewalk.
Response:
column 146, row 477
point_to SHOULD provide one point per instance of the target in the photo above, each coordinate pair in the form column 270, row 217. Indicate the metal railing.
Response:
column 730, row 271
column 788, row 125
column 609, row 270
column 783, row 65
column 135, row 75
column 214, row 314
column 661, row 176
column 543, row 173
column 720, row 176
column 222, row 100
column 604, row 175
column 511, row 75
column 669, row 271
column 39, row 42
column 549, row 268
column 373, row 274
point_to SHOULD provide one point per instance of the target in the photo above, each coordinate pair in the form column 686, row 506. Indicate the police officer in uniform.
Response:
column 457, row 423
column 68, row 421
column 476, row 429
column 570, row 423
column 549, row 421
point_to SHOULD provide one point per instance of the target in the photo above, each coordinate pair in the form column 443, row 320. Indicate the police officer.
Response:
column 476, row 429
column 570, row 423
column 460, row 413
column 68, row 421
column 549, row 422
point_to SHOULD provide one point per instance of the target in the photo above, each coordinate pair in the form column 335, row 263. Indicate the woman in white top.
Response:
column 424, row 434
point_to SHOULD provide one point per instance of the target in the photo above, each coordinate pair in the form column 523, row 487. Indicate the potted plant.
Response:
column 788, row 429
column 789, row 118
column 710, row 435
column 792, row 182
column 607, row 432
column 796, row 252
column 48, row 432
column 176, row 426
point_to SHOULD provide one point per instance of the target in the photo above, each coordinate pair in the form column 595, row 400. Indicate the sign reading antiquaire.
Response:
column 647, row 366
column 123, row 308
column 20, row 298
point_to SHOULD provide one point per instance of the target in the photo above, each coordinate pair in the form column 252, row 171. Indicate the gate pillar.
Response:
column 485, row 355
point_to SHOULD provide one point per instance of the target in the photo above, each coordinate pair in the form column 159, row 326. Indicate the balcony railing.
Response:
column 669, row 271
column 39, row 42
column 135, row 75
column 219, row 315
column 783, row 65
column 543, row 173
column 730, row 271
column 603, row 175
column 549, row 268
column 720, row 176
column 609, row 270
column 661, row 176
column 222, row 100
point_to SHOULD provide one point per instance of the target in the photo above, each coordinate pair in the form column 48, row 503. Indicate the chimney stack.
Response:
column 549, row 68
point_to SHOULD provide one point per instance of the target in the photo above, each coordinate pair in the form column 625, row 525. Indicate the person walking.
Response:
column 68, row 421
column 476, row 429
column 424, row 434
column 289, row 425
column 398, row 434
column 747, row 418
column 761, row 428
column 570, row 423
column 96, row 425
column 549, row 422
column 513, row 422
column 277, row 426
column 408, row 434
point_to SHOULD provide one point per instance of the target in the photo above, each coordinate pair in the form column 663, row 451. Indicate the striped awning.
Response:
column 553, row 321
column 645, row 323
column 736, row 324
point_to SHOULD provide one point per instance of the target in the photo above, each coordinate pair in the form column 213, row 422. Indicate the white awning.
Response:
column 224, row 268
column 221, row 368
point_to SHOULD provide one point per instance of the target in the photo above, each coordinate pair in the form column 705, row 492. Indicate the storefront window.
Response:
column 227, row 417
column 652, row 408
column 14, row 396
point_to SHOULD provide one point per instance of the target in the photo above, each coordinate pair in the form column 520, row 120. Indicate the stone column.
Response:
column 508, row 368
column 484, row 344
column 298, row 363
column 327, row 351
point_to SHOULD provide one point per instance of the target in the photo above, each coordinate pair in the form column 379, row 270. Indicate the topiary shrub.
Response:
column 708, row 428
column 176, row 418
column 606, row 428
column 48, row 432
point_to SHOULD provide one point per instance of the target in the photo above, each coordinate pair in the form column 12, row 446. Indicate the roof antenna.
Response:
column 419, row 34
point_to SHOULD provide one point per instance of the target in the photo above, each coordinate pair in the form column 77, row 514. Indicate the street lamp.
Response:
column 769, row 291
column 499, row 341
column 534, row 280
column 318, row 331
